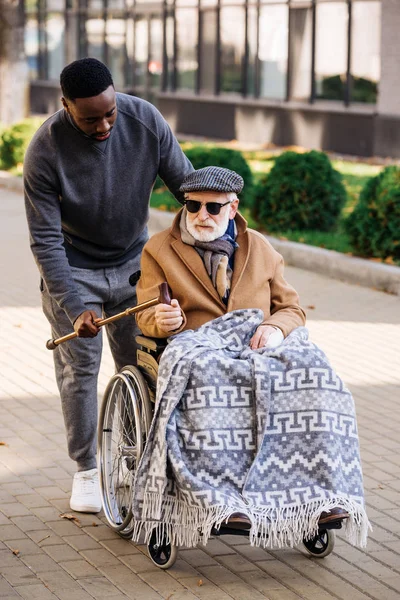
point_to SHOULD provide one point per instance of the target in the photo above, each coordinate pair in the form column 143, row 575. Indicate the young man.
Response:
column 88, row 175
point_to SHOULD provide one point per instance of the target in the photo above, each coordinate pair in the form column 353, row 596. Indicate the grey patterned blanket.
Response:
column 268, row 433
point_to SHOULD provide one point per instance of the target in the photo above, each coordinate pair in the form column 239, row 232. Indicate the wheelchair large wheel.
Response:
column 322, row 544
column 124, row 423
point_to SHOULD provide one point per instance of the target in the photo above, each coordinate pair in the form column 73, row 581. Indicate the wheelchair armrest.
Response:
column 153, row 344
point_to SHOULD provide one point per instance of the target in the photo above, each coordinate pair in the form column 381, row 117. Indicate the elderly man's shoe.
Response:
column 335, row 514
column 239, row 521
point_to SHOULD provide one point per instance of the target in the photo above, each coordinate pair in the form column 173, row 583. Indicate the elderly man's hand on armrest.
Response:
column 168, row 317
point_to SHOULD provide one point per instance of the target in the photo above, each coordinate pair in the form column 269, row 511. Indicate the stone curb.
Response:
column 327, row 262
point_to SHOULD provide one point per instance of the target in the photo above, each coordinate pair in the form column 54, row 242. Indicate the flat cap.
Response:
column 212, row 179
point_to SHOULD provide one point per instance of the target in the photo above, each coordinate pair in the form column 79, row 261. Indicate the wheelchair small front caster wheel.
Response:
column 163, row 555
column 322, row 544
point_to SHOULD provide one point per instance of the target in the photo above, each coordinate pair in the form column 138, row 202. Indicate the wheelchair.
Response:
column 124, row 423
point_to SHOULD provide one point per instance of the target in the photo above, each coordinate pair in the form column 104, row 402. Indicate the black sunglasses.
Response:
column 213, row 208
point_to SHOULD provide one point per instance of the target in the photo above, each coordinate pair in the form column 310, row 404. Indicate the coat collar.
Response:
column 194, row 263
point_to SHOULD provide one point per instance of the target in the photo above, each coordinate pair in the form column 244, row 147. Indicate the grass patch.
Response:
column 162, row 199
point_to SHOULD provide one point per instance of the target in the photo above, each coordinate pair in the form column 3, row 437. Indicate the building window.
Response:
column 365, row 51
column 95, row 31
column 232, row 25
column 273, row 50
column 141, row 54
column 300, row 53
column 331, row 50
column 186, row 44
column 208, row 50
column 116, row 49
column 55, row 35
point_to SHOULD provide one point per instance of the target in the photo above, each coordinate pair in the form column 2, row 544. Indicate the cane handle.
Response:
column 164, row 297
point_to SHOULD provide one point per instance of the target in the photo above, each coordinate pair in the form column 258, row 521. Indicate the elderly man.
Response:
column 214, row 264
column 256, row 429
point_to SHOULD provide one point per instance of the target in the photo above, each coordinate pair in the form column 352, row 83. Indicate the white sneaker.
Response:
column 86, row 492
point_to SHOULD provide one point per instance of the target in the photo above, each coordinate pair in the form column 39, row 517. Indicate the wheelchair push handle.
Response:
column 163, row 297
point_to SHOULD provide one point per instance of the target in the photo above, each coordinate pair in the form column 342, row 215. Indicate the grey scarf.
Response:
column 215, row 256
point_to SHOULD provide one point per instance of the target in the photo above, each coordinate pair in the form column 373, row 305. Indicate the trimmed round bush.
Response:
column 15, row 140
column 203, row 156
column 374, row 225
column 302, row 192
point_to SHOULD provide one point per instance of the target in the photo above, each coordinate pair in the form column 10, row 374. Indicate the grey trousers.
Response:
column 107, row 291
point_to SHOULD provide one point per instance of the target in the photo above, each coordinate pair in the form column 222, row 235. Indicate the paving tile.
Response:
column 35, row 592
column 18, row 574
column 82, row 542
column 129, row 583
column 162, row 582
column 11, row 532
column 203, row 588
column 62, row 553
column 45, row 537
column 26, row 523
column 100, row 587
column 39, row 563
column 25, row 546
column 64, row 527
column 79, row 568
column 120, row 547
column 182, row 570
column 197, row 558
column 138, row 563
column 16, row 509
column 101, row 533
column 99, row 558
column 6, row 591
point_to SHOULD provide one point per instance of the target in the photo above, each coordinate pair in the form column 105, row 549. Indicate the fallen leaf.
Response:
column 200, row 582
column 44, row 538
column 16, row 551
column 70, row 518
column 94, row 524
column 311, row 306
column 3, row 444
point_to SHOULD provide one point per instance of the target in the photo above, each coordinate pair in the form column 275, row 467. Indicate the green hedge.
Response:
column 204, row 156
column 14, row 141
column 302, row 192
column 374, row 225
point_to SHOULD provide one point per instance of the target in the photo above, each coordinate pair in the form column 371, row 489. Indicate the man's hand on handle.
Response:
column 168, row 317
column 85, row 326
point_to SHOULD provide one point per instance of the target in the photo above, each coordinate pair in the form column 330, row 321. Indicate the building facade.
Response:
column 317, row 73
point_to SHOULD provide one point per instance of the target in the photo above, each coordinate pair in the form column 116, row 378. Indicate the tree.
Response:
column 13, row 67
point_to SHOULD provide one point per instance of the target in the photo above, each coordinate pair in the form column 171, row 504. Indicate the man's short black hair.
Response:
column 85, row 78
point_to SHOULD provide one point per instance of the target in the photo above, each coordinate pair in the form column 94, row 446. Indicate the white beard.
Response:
column 206, row 235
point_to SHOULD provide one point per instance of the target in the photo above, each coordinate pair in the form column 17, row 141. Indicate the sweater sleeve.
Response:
column 174, row 165
column 146, row 289
column 43, row 210
column 286, row 312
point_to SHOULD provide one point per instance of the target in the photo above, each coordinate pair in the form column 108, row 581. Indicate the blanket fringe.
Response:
column 184, row 525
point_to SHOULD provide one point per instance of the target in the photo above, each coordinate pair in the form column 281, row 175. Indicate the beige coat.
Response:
column 257, row 281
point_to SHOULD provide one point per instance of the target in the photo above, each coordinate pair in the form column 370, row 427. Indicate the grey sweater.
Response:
column 87, row 202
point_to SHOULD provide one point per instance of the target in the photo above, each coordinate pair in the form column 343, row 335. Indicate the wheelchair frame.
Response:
column 124, row 422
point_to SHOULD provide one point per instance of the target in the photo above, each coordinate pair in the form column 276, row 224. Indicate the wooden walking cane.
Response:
column 164, row 298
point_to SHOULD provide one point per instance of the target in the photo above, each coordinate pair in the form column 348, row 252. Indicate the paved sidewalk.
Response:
column 44, row 556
